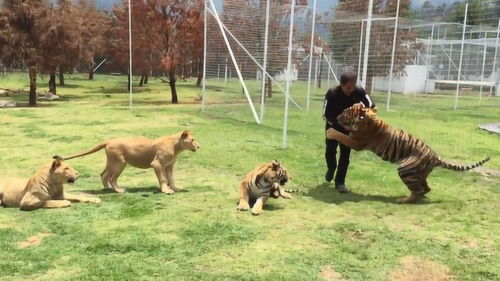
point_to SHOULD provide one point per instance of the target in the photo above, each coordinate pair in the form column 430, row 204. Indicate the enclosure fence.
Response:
column 298, row 49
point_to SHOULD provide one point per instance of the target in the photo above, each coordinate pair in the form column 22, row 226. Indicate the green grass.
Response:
column 198, row 235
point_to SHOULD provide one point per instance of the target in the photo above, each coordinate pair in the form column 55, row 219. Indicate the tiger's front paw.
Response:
column 286, row 195
column 257, row 211
column 243, row 206
column 332, row 134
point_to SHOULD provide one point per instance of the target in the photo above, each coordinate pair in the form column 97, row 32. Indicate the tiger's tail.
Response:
column 447, row 165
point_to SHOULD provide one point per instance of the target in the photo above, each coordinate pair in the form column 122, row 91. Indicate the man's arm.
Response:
column 365, row 99
column 327, row 105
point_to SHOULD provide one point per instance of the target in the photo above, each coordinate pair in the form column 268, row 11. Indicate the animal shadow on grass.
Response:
column 267, row 207
column 327, row 193
column 149, row 189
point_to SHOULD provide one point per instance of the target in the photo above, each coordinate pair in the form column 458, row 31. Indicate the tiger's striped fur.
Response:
column 416, row 159
column 258, row 185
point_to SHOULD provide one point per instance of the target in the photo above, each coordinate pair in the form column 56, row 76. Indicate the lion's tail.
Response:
column 447, row 165
column 93, row 150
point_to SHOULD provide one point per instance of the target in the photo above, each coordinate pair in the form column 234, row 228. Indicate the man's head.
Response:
column 348, row 82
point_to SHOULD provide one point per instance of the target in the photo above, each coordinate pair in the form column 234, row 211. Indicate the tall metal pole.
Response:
column 396, row 21
column 264, row 63
column 235, row 63
column 461, row 57
column 205, row 33
column 360, row 47
column 311, row 52
column 482, row 70
column 367, row 42
column 289, row 73
column 130, row 52
column 495, row 58
column 328, row 72
column 225, row 73
column 450, row 61
column 428, row 58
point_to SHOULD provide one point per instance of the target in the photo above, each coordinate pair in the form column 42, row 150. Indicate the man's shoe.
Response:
column 341, row 188
column 329, row 175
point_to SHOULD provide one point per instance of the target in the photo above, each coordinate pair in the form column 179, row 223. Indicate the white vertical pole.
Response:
column 461, row 57
column 311, row 55
column 218, row 71
column 316, row 70
column 225, row 73
column 130, row 51
column 264, row 63
column 360, row 47
column 482, row 70
column 396, row 21
column 367, row 42
column 205, row 33
column 450, row 61
column 496, row 53
column 328, row 77
column 428, row 58
column 235, row 63
column 289, row 73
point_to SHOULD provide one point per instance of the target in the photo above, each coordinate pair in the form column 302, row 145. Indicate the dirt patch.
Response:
column 327, row 273
column 488, row 173
column 420, row 269
column 34, row 240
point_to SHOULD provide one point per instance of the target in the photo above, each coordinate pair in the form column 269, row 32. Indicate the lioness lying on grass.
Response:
column 159, row 154
column 44, row 189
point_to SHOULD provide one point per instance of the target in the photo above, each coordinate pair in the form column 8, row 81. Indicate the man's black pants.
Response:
column 331, row 159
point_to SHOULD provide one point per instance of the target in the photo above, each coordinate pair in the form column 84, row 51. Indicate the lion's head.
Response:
column 357, row 118
column 188, row 142
column 62, row 172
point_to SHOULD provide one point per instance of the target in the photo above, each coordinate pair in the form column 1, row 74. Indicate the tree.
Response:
column 94, row 33
column 60, row 41
column 346, row 51
column 21, row 31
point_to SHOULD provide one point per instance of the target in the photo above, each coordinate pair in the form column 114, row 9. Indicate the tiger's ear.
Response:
column 185, row 134
column 276, row 165
column 374, row 109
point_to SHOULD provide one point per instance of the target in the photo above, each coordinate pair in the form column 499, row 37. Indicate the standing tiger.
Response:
column 261, row 183
column 416, row 159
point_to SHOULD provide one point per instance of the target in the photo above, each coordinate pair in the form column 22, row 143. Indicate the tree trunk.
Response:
column 52, row 83
column 91, row 72
column 141, row 82
column 173, row 90
column 269, row 87
column 200, row 72
column 146, row 78
column 128, row 81
column 32, row 96
column 61, row 76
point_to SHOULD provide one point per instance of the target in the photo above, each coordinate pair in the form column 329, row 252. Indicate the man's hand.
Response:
column 333, row 134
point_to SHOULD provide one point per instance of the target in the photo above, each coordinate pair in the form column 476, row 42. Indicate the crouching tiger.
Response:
column 416, row 159
column 261, row 183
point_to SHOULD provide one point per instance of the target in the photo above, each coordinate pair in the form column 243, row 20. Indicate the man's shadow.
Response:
column 327, row 193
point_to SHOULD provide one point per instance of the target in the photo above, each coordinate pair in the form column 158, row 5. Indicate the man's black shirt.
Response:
column 336, row 102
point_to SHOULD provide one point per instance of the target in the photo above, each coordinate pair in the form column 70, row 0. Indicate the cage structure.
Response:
column 392, row 48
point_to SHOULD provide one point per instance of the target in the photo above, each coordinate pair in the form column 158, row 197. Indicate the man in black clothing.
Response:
column 336, row 100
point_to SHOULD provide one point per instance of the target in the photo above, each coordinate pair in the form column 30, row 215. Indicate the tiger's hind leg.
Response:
column 243, row 205
column 414, row 179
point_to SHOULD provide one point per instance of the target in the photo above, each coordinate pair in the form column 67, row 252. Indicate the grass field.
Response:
column 198, row 235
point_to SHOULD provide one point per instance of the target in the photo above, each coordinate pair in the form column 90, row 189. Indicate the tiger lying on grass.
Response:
column 261, row 183
column 416, row 159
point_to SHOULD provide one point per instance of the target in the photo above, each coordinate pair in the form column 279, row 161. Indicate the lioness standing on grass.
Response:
column 44, row 189
column 159, row 154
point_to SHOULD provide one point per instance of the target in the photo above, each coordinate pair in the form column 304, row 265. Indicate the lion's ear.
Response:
column 374, row 109
column 56, row 164
column 185, row 134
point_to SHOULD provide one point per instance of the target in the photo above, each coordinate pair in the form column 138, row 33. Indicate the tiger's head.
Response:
column 279, row 173
column 357, row 118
